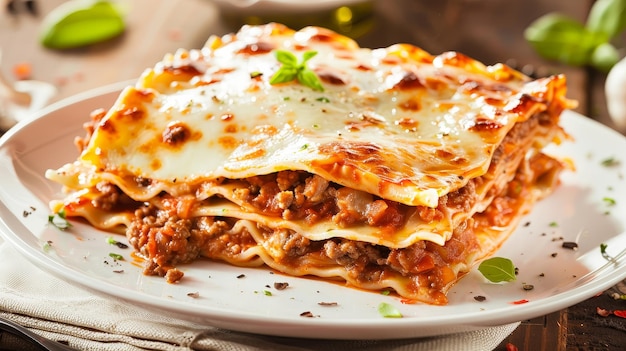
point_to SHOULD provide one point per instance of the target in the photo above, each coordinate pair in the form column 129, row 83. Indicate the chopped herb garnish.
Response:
column 603, row 247
column 255, row 74
column 610, row 162
column 117, row 257
column 112, row 241
column 553, row 224
column 497, row 269
column 304, row 147
column 323, row 99
column 267, row 293
column 388, row 311
column 47, row 245
column 58, row 220
column 385, row 292
column 609, row 201
column 293, row 70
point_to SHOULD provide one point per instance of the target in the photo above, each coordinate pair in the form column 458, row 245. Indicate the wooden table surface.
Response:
column 488, row 30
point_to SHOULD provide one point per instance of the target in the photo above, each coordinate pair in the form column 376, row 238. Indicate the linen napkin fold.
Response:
column 64, row 312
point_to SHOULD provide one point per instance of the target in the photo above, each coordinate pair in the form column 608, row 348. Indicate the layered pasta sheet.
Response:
column 400, row 172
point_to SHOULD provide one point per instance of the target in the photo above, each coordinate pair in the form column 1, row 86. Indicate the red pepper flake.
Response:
column 620, row 313
column 511, row 347
column 519, row 302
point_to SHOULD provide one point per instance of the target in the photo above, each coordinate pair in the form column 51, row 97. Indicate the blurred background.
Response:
column 489, row 30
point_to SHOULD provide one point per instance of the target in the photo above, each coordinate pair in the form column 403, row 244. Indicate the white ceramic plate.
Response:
column 579, row 211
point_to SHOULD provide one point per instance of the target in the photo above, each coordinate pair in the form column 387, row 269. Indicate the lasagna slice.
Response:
column 400, row 170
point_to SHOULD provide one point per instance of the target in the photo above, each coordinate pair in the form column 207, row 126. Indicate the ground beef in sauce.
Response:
column 166, row 240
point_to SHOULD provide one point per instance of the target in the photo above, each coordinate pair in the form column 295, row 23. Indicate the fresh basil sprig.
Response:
column 294, row 70
column 558, row 37
column 497, row 269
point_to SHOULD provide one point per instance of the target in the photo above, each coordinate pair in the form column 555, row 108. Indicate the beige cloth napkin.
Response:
column 61, row 311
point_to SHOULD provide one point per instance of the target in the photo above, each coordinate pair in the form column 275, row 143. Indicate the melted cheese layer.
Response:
column 395, row 122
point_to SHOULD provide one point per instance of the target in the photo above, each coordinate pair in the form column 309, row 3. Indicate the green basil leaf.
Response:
column 558, row 37
column 608, row 17
column 388, row 311
column 79, row 23
column 604, row 57
column 497, row 269
column 286, row 58
column 307, row 56
column 284, row 74
column 310, row 79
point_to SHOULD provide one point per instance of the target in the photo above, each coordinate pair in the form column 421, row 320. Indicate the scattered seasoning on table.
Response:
column 570, row 245
column 618, row 296
column 511, row 347
column 620, row 313
column 602, row 312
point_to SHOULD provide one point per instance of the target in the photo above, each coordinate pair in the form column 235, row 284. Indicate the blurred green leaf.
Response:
column 79, row 23
column 558, row 37
column 608, row 17
column 604, row 57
